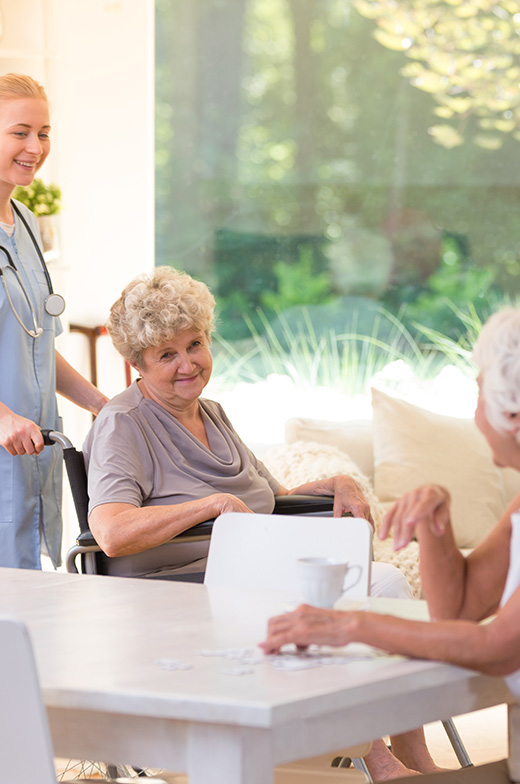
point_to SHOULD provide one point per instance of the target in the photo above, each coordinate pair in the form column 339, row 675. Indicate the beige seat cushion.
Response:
column 413, row 447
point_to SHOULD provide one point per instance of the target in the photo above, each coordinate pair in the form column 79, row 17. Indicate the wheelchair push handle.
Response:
column 51, row 437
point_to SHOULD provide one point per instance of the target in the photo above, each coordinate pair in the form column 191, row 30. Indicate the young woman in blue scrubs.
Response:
column 32, row 370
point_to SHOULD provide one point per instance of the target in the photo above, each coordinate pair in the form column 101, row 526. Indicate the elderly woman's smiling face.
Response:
column 175, row 373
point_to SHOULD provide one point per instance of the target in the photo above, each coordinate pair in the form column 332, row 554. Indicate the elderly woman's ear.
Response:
column 514, row 424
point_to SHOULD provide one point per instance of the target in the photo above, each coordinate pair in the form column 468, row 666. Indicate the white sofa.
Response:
column 401, row 447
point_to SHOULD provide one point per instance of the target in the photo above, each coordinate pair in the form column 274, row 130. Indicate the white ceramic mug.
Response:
column 322, row 580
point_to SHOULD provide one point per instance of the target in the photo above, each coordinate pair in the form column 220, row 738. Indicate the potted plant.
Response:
column 45, row 202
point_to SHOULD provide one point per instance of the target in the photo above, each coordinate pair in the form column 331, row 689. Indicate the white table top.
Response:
column 99, row 640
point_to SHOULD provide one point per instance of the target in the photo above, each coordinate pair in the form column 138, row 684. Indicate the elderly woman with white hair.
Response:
column 160, row 458
column 460, row 591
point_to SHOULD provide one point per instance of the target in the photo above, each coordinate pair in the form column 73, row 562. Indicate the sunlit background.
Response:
column 344, row 174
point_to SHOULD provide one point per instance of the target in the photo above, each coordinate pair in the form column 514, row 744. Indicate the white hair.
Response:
column 154, row 308
column 497, row 355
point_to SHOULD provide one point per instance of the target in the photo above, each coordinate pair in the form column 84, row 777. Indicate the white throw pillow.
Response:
column 413, row 447
column 354, row 438
column 306, row 461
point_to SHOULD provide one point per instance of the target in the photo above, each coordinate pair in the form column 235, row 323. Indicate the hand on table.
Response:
column 308, row 625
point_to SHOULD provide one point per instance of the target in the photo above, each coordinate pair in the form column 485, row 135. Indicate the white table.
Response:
column 98, row 641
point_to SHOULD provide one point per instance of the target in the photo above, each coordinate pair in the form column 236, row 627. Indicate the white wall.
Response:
column 105, row 147
column 103, row 82
column 96, row 61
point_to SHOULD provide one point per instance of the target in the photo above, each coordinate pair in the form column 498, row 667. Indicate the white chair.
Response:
column 260, row 552
column 26, row 751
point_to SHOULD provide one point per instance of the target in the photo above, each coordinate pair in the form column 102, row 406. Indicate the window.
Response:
column 341, row 167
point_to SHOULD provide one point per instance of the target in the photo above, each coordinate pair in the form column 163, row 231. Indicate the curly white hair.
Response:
column 154, row 308
column 497, row 355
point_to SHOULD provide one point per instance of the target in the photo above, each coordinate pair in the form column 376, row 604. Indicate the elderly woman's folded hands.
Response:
column 428, row 505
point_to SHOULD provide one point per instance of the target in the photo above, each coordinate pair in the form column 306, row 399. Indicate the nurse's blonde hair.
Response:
column 497, row 355
column 14, row 85
column 154, row 308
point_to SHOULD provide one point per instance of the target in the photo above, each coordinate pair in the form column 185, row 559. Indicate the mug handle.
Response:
column 356, row 567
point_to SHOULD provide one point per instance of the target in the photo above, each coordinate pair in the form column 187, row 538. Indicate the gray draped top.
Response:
column 138, row 453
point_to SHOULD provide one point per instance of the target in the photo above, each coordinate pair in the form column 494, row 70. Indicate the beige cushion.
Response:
column 354, row 438
column 414, row 447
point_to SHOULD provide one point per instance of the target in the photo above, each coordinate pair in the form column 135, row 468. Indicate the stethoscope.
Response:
column 54, row 303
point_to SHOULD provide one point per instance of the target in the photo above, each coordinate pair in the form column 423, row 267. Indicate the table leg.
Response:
column 222, row 754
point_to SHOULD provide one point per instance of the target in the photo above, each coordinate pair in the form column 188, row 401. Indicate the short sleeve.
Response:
column 119, row 466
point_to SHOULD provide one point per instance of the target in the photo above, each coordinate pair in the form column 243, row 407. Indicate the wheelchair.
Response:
column 92, row 558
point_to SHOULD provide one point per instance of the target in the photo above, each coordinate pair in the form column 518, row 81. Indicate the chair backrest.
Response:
column 26, row 753
column 259, row 551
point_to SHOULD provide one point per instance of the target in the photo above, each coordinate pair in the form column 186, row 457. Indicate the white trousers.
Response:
column 389, row 581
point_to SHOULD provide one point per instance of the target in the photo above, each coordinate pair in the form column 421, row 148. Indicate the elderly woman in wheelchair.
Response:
column 160, row 459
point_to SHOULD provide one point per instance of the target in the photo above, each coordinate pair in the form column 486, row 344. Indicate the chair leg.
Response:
column 456, row 742
column 360, row 764
column 341, row 762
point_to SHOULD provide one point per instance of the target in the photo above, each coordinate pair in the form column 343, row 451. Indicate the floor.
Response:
column 484, row 734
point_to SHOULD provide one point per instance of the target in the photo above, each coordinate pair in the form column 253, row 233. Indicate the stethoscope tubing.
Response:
column 54, row 303
column 37, row 331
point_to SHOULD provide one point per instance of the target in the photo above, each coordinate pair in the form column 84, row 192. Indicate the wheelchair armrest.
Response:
column 285, row 504
column 201, row 530
column 85, row 539
column 303, row 504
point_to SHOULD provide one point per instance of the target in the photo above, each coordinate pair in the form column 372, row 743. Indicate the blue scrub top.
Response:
column 30, row 485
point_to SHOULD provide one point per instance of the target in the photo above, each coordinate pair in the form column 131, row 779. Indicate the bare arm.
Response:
column 74, row 387
column 348, row 496
column 455, row 587
column 492, row 648
column 124, row 529
column 22, row 436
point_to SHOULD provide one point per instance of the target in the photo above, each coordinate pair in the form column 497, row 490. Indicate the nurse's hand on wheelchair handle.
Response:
column 18, row 435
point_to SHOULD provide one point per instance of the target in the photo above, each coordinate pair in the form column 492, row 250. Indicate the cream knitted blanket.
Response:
column 305, row 461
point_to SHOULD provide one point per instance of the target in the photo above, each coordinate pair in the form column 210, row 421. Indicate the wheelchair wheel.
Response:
column 70, row 770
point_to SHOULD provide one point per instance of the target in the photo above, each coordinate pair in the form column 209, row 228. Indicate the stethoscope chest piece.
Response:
column 54, row 304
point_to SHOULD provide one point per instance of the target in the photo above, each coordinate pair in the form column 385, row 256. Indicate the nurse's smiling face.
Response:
column 175, row 373
column 24, row 140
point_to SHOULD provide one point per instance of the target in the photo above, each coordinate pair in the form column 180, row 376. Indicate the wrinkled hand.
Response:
column 20, row 436
column 308, row 625
column 427, row 505
column 348, row 497
column 226, row 502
